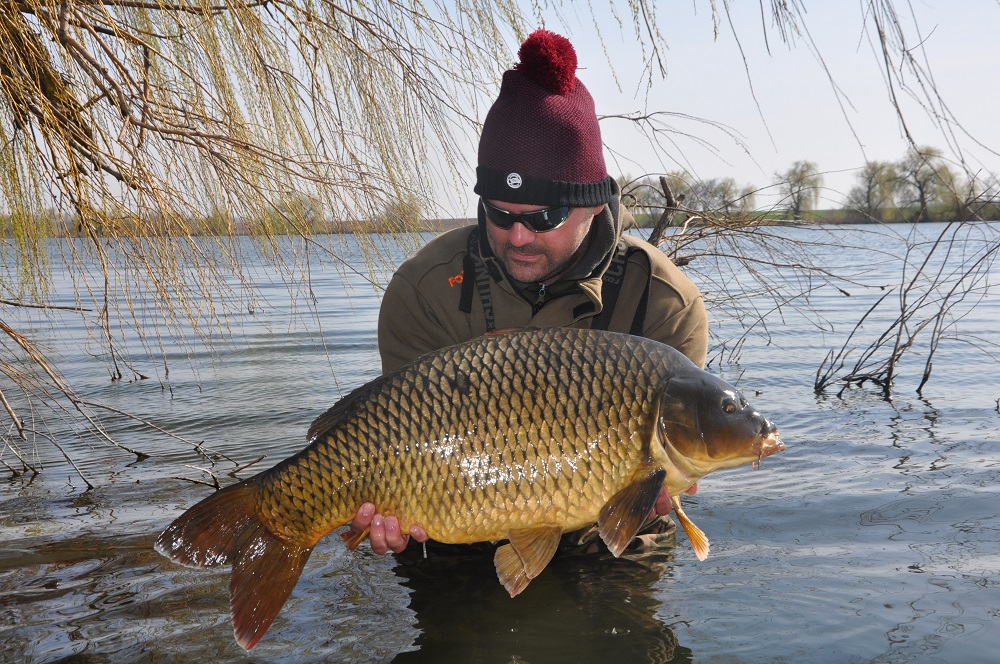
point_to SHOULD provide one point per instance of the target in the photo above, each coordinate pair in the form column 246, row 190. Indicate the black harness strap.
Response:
column 474, row 273
column 611, row 287
column 639, row 319
column 468, row 272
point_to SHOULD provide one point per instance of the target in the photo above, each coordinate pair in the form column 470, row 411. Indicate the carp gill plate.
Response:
column 520, row 436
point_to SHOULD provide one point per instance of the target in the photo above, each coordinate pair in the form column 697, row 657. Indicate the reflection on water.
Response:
column 581, row 608
column 874, row 538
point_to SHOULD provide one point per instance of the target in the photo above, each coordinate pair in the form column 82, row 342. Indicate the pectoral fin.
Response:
column 624, row 514
column 529, row 551
column 699, row 541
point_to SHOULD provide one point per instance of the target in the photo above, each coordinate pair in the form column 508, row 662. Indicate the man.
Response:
column 548, row 249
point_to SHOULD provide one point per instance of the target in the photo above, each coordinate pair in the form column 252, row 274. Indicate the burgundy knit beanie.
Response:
column 541, row 143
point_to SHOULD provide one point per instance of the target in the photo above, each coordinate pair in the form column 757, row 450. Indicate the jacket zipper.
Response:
column 539, row 300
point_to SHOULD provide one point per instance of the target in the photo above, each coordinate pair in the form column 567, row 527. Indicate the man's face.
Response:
column 531, row 257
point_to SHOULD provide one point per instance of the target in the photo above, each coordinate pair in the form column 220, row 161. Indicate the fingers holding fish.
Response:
column 363, row 519
column 662, row 506
column 663, row 501
column 384, row 533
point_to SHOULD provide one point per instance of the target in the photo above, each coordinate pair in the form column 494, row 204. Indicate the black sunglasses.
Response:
column 540, row 221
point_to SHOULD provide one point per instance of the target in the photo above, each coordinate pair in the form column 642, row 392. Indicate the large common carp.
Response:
column 517, row 436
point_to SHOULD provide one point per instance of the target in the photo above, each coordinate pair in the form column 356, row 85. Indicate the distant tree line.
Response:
column 649, row 197
column 289, row 215
column 922, row 187
column 919, row 187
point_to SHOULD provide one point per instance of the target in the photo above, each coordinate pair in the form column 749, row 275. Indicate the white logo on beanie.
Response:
column 514, row 180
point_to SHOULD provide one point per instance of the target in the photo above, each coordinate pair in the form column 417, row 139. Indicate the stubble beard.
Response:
column 548, row 271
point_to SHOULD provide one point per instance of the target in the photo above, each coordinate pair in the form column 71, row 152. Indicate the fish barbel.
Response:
column 519, row 436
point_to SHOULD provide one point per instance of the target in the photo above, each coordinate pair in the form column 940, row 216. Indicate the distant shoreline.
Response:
column 127, row 228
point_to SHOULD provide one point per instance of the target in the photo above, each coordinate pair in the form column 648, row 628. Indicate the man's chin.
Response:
column 526, row 272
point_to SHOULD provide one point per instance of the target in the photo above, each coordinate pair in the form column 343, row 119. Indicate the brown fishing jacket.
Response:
column 454, row 290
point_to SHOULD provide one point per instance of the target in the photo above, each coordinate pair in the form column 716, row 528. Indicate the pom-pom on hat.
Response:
column 541, row 143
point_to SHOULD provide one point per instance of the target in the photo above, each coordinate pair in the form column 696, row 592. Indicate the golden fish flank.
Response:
column 517, row 436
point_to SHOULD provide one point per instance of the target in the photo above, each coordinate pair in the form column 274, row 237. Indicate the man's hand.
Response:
column 384, row 533
column 663, row 504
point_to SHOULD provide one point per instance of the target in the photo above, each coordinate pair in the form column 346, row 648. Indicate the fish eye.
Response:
column 729, row 406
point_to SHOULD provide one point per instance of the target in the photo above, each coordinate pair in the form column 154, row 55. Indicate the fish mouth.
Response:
column 770, row 443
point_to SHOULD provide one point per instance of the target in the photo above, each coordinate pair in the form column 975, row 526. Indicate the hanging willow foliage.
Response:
column 196, row 122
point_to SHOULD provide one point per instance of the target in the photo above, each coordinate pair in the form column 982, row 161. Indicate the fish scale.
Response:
column 518, row 436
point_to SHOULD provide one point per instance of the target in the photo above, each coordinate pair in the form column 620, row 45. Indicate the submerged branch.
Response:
column 927, row 299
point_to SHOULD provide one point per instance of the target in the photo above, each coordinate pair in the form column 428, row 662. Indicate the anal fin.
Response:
column 627, row 510
column 699, row 541
column 353, row 539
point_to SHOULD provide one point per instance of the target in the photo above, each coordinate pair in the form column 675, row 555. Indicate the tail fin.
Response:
column 225, row 529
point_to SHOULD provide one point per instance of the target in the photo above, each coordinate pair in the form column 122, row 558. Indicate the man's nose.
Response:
column 520, row 234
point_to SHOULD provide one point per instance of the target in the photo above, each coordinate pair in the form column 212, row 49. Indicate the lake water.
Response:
column 874, row 538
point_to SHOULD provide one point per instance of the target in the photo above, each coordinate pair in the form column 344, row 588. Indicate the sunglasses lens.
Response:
column 499, row 218
column 541, row 221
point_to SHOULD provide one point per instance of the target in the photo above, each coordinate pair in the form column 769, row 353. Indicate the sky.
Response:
column 780, row 106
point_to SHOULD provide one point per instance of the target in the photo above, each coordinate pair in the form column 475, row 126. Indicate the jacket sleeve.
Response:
column 685, row 329
column 676, row 313
column 407, row 326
